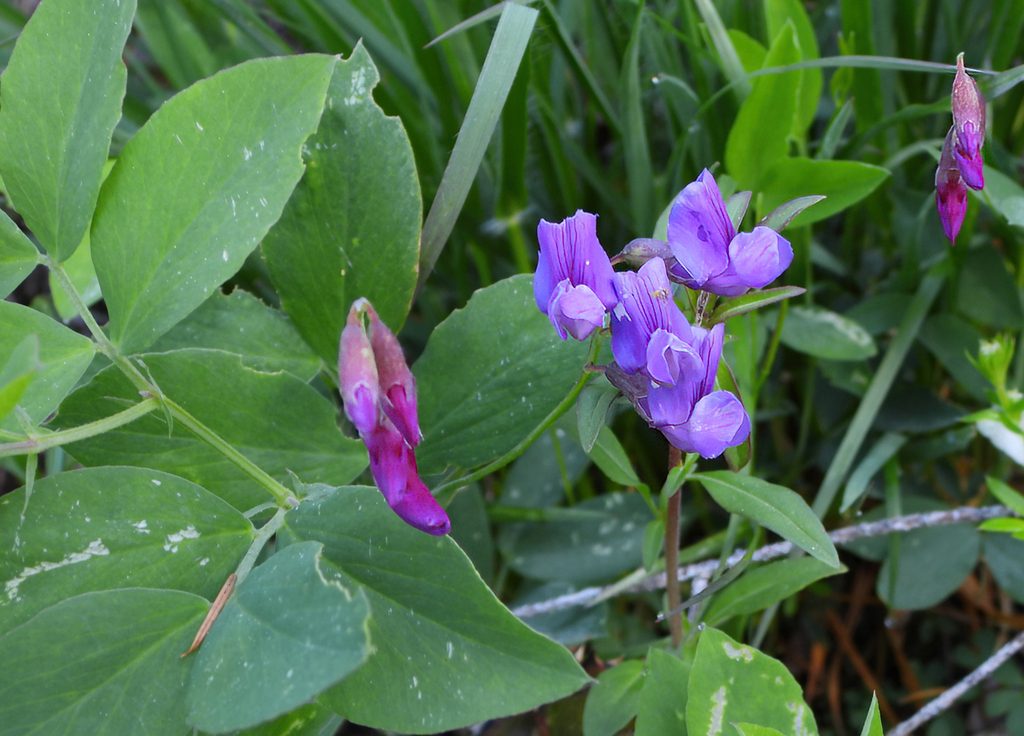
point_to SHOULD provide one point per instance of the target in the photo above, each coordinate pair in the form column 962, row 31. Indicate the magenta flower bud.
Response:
column 950, row 192
column 396, row 380
column 710, row 255
column 357, row 373
column 969, row 123
column 573, row 283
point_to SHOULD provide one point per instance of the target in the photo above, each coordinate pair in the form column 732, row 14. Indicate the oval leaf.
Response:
column 613, row 701
column 18, row 257
column 62, row 93
column 352, row 226
column 448, row 653
column 825, row 334
column 290, row 630
column 490, row 374
column 778, row 508
column 842, row 183
column 198, row 187
column 126, row 527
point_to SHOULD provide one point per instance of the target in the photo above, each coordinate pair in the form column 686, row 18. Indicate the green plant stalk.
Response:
column 540, row 429
column 723, row 557
column 773, row 348
column 67, row 436
column 275, row 489
column 259, row 542
column 675, row 621
column 563, row 472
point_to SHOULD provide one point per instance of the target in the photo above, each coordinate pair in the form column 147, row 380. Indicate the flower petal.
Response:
column 419, row 509
column 570, row 250
column 669, row 357
column 718, row 421
column 699, row 230
column 357, row 372
column 575, row 310
column 759, row 257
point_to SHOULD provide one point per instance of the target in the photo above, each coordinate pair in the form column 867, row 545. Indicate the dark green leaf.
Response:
column 197, row 188
column 614, row 700
column 609, row 455
column 121, row 528
column 765, row 585
column 1003, row 554
column 663, row 698
column 274, row 419
column 18, row 257
column 63, row 356
column 754, row 300
column 62, row 93
column 447, row 653
column 734, row 683
column 932, row 564
column 842, row 183
column 780, row 218
column 987, row 291
column 351, row 229
column 490, row 374
column 951, row 340
column 240, row 323
column 292, row 628
column 92, row 664
column 307, row 720
column 471, row 529
column 883, row 450
column 778, row 508
column 1006, row 495
column 535, row 478
column 1004, row 195
column 570, row 627
column 824, row 334
column 15, row 376
column 592, row 409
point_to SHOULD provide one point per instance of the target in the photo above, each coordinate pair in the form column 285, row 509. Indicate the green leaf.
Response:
column 83, row 277
column 1003, row 554
column 885, row 449
column 820, row 332
column 654, row 543
column 197, row 188
column 448, row 654
column 765, row 585
column 754, row 300
column 609, row 455
column 92, row 664
column 873, row 720
column 291, row 629
column 778, row 508
column 592, row 410
column 62, row 93
column 1004, row 195
column 759, row 136
column 752, row 729
column 19, row 371
column 510, row 42
column 351, row 229
column 489, row 375
column 932, row 564
column 728, row 58
column 734, row 683
column 64, row 355
column 1006, row 495
column 571, row 626
column 582, row 550
column 842, row 183
column 307, row 720
column 240, row 323
column 535, row 478
column 987, row 292
column 952, row 340
column 122, row 528
column 662, row 709
column 471, row 529
column 614, row 700
column 18, row 257
column 1009, row 526
column 780, row 218
column 274, row 419
column 777, row 14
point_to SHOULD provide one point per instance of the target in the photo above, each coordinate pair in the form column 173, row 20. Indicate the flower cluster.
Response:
column 379, row 393
column 663, row 364
column 960, row 164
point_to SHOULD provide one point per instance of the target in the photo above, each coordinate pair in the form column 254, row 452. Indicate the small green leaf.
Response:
column 758, row 137
column 592, row 409
column 489, row 375
column 820, row 332
column 987, row 292
column 614, row 700
column 932, row 564
column 19, row 371
column 1004, row 195
column 953, row 341
column 18, row 257
column 873, row 721
column 240, row 323
column 351, row 228
column 734, row 683
column 778, row 508
column 62, row 93
column 1003, row 554
column 448, row 654
column 306, row 720
column 291, row 629
column 274, row 419
column 842, row 183
column 121, row 528
column 76, row 666
column 582, row 550
column 765, row 585
column 886, row 448
column 63, row 356
column 777, row 14
column 754, row 300
column 781, row 217
column 197, row 188
column 609, row 455
column 662, row 710
column 654, row 542
column 1009, row 526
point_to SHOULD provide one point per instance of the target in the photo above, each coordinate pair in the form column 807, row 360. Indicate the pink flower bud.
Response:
column 357, row 373
column 950, row 192
column 969, row 123
column 396, row 380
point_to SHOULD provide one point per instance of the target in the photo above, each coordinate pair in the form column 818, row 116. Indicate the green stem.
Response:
column 262, row 537
column 67, row 436
column 675, row 621
column 773, row 347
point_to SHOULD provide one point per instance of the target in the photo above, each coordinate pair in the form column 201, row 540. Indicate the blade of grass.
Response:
column 639, row 172
column 731, row 64
column 500, row 68
column 878, row 390
column 243, row 16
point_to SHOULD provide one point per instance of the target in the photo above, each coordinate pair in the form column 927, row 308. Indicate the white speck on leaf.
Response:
column 738, row 653
column 717, row 712
column 141, row 527
column 95, row 549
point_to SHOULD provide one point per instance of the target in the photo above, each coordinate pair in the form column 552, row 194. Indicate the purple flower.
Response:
column 710, row 255
column 950, row 192
column 691, row 414
column 379, row 394
column 573, row 283
column 969, row 123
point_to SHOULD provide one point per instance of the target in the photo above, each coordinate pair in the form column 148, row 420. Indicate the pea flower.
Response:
column 379, row 395
column 950, row 192
column 961, row 163
column 652, row 338
column 573, row 283
column 710, row 255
